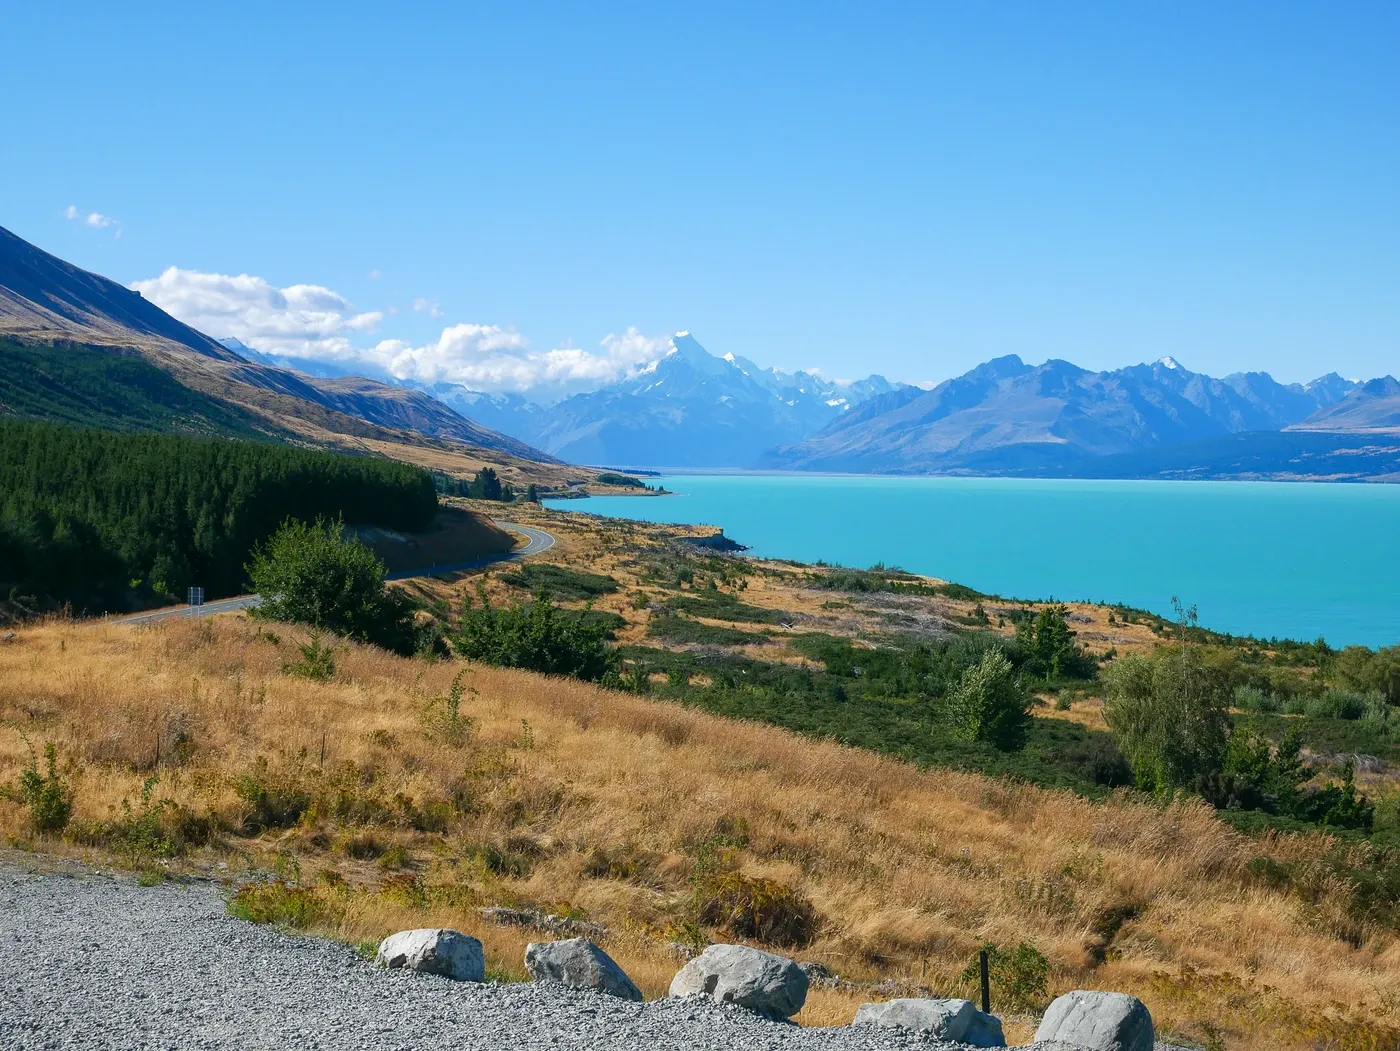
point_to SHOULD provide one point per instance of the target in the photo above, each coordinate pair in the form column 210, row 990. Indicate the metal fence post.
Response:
column 986, row 982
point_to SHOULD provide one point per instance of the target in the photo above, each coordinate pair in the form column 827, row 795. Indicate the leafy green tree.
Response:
column 1169, row 715
column 990, row 704
column 311, row 574
column 1048, row 646
column 485, row 486
column 532, row 494
column 538, row 636
column 1369, row 671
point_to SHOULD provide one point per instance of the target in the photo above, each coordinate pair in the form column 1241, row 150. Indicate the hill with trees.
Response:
column 109, row 522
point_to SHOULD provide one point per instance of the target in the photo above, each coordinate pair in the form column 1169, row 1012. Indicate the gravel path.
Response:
column 99, row 962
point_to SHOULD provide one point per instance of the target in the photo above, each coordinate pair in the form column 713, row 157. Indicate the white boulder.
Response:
column 956, row 1021
column 1098, row 1021
column 737, row 974
column 579, row 964
column 942, row 1019
column 433, row 950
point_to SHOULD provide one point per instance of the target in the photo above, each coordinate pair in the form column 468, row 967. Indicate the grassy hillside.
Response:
column 102, row 387
column 198, row 744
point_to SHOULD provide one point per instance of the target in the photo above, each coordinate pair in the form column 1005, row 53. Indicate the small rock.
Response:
column 819, row 975
column 1098, row 1021
column 430, row 950
column 579, row 964
column 738, row 974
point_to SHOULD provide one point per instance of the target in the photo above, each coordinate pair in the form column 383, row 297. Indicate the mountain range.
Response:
column 690, row 409
column 77, row 346
column 1006, row 415
column 687, row 408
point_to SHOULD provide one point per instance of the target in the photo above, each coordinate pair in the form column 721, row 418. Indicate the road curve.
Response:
column 536, row 542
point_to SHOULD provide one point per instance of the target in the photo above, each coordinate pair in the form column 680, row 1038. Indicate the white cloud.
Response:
column 375, row 275
column 300, row 321
column 316, row 323
column 422, row 306
column 93, row 219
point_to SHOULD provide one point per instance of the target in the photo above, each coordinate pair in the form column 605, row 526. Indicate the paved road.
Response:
column 537, row 541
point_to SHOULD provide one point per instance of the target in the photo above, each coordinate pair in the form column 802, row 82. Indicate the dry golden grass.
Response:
column 910, row 870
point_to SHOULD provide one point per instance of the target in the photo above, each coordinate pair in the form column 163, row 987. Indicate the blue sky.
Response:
column 904, row 189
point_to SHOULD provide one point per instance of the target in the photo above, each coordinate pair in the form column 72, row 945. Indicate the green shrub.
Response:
column 678, row 629
column 443, row 719
column 317, row 660
column 1168, row 715
column 560, row 582
column 1253, row 699
column 274, row 798
column 537, row 636
column 310, row 574
column 1098, row 761
column 154, row 829
column 277, row 902
column 762, row 909
column 47, row 795
column 720, row 605
column 989, row 704
column 1336, row 704
column 1019, row 977
column 1049, row 648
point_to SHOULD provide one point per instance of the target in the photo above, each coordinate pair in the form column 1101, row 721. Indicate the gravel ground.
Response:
column 96, row 961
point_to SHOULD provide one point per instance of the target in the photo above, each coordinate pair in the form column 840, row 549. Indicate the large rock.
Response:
column 984, row 1031
column 432, row 950
column 943, row 1019
column 957, row 1021
column 579, row 964
column 752, row 978
column 1098, row 1021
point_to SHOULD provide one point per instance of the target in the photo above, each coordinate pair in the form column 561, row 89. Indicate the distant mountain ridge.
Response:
column 1006, row 415
column 687, row 408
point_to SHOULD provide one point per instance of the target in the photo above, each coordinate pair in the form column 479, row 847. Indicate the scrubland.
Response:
column 198, row 746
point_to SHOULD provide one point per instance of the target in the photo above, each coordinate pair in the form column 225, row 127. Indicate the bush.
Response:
column 310, row 574
column 48, row 797
column 275, row 799
column 1049, row 647
column 277, row 902
column 317, row 660
column 1169, row 716
column 537, row 636
column 1019, row 977
column 677, row 629
column 762, row 909
column 156, row 829
column 560, row 582
column 1336, row 704
column 989, row 704
column 1253, row 699
column 1098, row 760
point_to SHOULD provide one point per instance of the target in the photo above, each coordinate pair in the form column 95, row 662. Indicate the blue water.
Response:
column 1290, row 560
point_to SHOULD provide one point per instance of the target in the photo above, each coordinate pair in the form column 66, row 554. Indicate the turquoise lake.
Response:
column 1261, row 558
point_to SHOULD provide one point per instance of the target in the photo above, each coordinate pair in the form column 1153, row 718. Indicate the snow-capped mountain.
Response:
column 690, row 408
column 1006, row 414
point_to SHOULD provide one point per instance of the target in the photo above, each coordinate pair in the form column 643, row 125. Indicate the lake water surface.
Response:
column 1292, row 560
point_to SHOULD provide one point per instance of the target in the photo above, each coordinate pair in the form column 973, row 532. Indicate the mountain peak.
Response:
column 1169, row 362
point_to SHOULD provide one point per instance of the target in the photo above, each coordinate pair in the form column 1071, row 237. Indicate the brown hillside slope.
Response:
column 46, row 299
column 573, row 798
